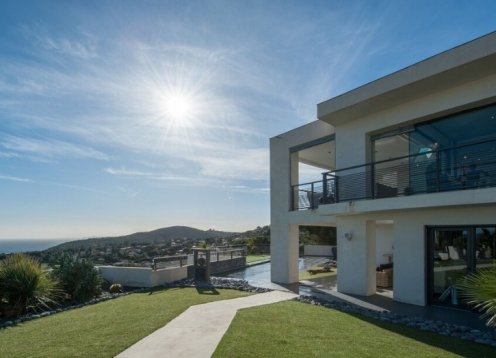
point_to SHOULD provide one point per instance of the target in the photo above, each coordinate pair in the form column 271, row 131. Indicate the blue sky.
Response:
column 122, row 116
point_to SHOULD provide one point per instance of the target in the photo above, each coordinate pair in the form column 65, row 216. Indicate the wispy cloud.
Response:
column 8, row 155
column 241, row 97
column 246, row 164
column 156, row 176
column 73, row 186
column 82, row 44
column 247, row 189
column 122, row 171
column 49, row 148
column 16, row 179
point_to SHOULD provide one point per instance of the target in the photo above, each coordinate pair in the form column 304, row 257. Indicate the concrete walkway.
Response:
column 198, row 330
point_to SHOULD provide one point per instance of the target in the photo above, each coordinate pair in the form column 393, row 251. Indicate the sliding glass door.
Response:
column 452, row 252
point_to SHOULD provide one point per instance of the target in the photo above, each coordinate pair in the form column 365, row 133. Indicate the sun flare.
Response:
column 178, row 107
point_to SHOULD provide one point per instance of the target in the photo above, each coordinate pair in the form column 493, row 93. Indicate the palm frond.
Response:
column 479, row 290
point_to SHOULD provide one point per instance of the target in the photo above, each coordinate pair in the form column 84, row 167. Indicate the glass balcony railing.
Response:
column 469, row 166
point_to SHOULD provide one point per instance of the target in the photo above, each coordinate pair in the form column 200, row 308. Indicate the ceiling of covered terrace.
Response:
column 322, row 155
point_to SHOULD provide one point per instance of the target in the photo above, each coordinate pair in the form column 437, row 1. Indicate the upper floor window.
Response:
column 450, row 153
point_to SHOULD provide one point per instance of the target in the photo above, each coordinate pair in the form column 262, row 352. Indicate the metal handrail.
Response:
column 182, row 260
column 363, row 184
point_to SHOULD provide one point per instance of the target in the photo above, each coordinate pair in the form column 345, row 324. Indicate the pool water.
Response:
column 259, row 275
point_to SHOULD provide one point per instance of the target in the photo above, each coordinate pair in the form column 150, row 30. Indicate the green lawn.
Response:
column 294, row 329
column 103, row 329
column 254, row 258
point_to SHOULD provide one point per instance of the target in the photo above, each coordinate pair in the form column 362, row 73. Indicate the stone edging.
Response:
column 220, row 282
column 104, row 297
column 446, row 329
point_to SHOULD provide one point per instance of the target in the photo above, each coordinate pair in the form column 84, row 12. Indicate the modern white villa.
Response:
column 408, row 167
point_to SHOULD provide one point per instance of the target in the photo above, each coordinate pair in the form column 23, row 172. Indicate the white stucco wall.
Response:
column 352, row 137
column 409, row 244
column 384, row 243
column 283, row 173
column 317, row 250
column 168, row 275
column 357, row 257
column 141, row 276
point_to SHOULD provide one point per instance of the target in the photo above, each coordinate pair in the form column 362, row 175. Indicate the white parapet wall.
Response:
column 142, row 276
column 318, row 250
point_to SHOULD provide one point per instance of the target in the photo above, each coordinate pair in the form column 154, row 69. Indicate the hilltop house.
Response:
column 409, row 176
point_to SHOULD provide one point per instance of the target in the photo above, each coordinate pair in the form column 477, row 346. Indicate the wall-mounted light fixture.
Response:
column 348, row 235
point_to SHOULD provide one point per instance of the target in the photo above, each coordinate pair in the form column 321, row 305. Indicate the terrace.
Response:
column 431, row 170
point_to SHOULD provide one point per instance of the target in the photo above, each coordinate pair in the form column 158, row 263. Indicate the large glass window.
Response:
column 456, row 152
column 454, row 252
column 391, row 176
column 485, row 244
column 450, row 153
column 449, row 256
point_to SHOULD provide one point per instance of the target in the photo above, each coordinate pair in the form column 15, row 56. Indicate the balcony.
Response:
column 461, row 167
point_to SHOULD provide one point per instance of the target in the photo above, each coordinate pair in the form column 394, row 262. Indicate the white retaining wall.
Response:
column 141, row 276
column 318, row 250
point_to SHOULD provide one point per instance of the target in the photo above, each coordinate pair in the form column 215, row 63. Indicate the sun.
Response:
column 179, row 107
column 175, row 109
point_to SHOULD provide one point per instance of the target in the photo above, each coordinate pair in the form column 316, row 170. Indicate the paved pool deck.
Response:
column 197, row 331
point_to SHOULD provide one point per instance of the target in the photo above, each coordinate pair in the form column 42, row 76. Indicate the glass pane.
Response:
column 459, row 129
column 470, row 164
column 450, row 263
column 485, row 245
column 391, row 178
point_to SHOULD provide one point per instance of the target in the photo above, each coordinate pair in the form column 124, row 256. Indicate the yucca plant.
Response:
column 24, row 285
column 479, row 290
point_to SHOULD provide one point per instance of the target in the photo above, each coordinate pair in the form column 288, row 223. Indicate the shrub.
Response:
column 115, row 288
column 479, row 289
column 79, row 278
column 24, row 285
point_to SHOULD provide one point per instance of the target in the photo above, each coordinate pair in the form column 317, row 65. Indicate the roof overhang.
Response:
column 462, row 64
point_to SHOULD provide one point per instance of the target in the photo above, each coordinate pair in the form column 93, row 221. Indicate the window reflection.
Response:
column 485, row 238
column 451, row 153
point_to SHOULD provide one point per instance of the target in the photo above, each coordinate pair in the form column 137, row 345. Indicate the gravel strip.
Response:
column 446, row 329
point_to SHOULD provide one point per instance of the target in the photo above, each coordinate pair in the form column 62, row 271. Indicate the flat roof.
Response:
column 466, row 62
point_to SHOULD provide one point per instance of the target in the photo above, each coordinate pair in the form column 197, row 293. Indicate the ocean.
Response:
column 8, row 246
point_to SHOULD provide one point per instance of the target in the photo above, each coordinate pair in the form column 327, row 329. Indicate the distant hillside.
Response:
column 159, row 235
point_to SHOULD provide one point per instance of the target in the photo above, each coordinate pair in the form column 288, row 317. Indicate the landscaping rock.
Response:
column 103, row 297
column 439, row 327
column 219, row 282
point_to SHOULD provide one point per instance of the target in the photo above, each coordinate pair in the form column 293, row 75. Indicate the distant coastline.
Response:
column 8, row 246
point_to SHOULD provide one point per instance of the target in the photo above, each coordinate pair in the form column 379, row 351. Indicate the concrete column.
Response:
column 356, row 256
column 371, row 264
column 284, row 173
column 283, row 236
column 409, row 260
column 284, row 252
column 294, row 178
